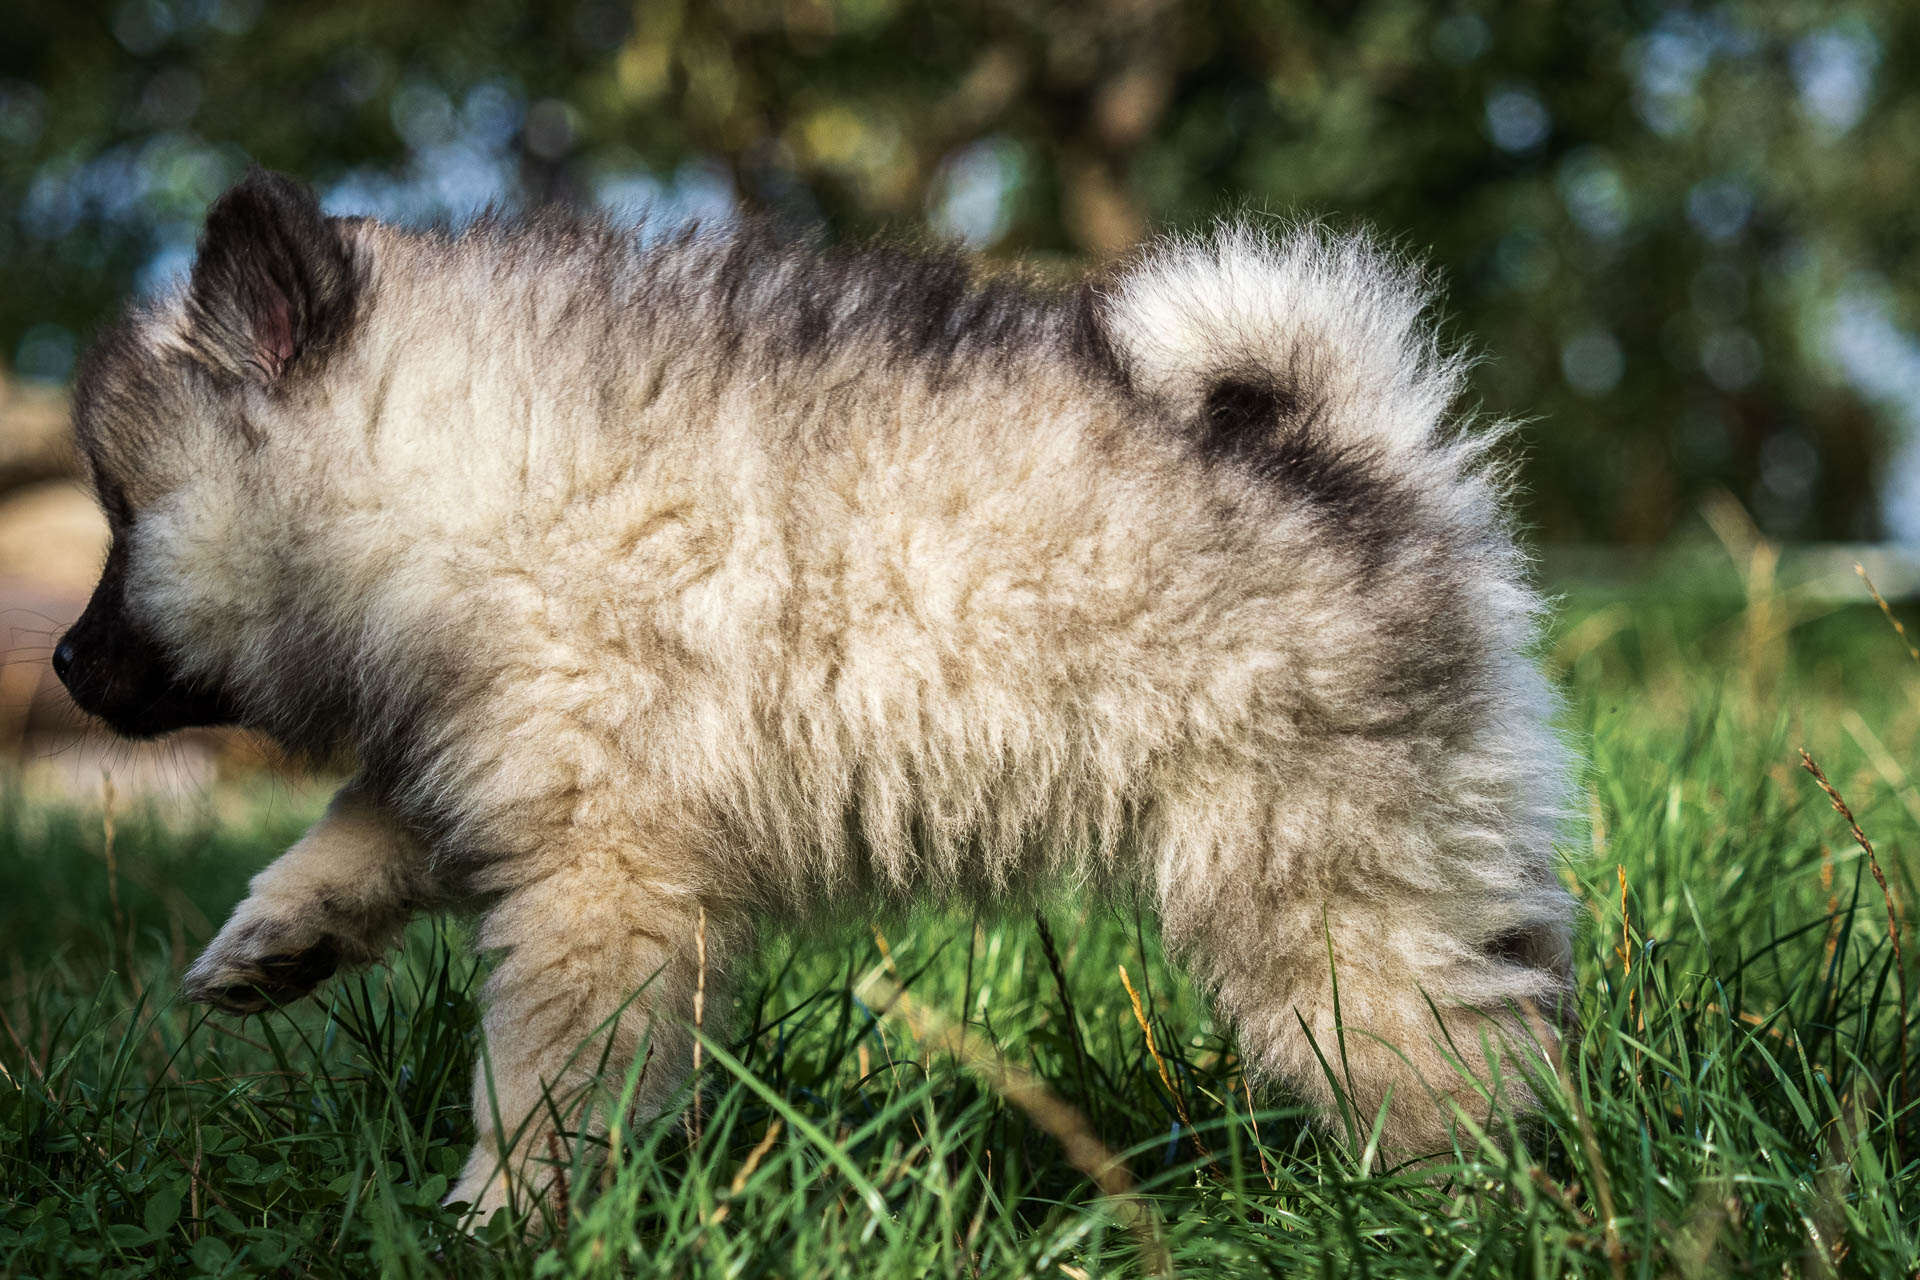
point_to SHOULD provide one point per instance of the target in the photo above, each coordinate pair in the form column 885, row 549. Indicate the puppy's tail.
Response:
column 1307, row 357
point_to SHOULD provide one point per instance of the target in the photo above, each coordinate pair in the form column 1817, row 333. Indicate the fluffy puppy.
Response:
column 653, row 582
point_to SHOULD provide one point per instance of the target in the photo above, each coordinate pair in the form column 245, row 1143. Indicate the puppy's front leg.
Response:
column 338, row 898
column 601, row 958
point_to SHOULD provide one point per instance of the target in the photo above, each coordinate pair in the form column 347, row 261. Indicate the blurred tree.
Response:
column 1685, row 232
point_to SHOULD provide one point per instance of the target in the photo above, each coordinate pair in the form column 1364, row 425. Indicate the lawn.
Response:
column 1734, row 1107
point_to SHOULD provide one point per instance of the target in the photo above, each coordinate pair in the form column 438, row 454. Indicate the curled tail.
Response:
column 1308, row 358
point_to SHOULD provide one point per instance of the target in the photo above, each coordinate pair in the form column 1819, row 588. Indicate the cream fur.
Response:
column 636, row 597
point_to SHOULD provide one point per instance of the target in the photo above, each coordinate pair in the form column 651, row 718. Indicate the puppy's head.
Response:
column 171, row 414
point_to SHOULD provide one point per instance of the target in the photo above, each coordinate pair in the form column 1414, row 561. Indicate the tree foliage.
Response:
column 1683, row 233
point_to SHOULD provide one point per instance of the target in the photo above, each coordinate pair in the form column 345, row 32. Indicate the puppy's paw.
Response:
column 254, row 965
column 483, row 1192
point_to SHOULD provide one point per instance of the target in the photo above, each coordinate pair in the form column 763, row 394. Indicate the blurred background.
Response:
column 1683, row 234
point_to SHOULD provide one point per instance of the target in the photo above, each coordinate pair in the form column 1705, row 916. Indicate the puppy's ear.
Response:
column 273, row 284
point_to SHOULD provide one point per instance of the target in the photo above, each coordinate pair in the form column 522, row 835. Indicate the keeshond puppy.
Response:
column 665, row 588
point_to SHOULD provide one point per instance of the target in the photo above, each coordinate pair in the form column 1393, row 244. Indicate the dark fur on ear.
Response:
column 273, row 283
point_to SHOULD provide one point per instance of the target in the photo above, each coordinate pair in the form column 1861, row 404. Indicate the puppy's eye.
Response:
column 113, row 500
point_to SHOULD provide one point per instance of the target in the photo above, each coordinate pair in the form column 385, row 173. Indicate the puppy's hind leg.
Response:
column 599, row 961
column 1361, row 992
column 338, row 898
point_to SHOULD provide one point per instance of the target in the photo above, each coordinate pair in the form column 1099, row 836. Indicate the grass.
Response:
column 1735, row 1107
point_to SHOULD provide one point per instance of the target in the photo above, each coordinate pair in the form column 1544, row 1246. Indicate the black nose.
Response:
column 63, row 656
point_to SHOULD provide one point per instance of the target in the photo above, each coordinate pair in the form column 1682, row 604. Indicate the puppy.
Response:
column 666, row 590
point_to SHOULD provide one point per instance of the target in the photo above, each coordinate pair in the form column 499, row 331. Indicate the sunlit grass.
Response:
column 1731, row 1108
